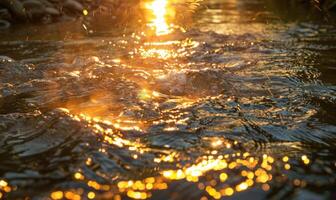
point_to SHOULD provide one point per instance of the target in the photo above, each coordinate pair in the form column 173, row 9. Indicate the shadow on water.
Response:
column 237, row 103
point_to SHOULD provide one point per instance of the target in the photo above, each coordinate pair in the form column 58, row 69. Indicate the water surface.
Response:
column 235, row 100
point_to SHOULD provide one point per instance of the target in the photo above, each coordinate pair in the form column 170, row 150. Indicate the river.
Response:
column 227, row 99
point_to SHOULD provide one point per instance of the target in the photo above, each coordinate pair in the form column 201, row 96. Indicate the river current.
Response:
column 233, row 100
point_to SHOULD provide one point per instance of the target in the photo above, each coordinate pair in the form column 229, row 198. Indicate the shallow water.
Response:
column 237, row 104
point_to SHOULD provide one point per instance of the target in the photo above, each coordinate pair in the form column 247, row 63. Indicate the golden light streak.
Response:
column 213, row 164
column 159, row 8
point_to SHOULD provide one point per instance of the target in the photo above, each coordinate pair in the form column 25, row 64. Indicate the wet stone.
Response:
column 5, row 59
column 4, row 24
column 5, row 14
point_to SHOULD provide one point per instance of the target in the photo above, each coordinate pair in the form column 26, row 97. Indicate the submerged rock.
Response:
column 190, row 82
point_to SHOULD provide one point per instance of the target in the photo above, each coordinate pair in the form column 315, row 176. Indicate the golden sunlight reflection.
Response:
column 168, row 49
column 160, row 11
column 4, row 188
column 212, row 172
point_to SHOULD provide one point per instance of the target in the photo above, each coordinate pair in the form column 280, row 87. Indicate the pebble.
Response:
column 47, row 3
column 38, row 10
column 4, row 25
column 14, row 11
column 34, row 8
column 6, row 59
column 73, row 5
column 5, row 14
column 52, row 11
column 32, row 4
column 16, row 8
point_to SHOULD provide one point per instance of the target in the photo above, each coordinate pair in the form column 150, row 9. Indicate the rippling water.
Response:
column 238, row 104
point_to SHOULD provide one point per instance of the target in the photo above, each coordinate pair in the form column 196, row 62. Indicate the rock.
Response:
column 172, row 83
column 73, row 5
column 34, row 8
column 46, row 19
column 16, row 8
column 46, row 3
column 52, row 11
column 5, row 59
column 46, row 11
column 5, row 14
column 4, row 25
column 32, row 4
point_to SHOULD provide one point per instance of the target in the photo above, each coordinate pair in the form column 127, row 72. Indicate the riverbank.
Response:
column 49, row 11
column 42, row 11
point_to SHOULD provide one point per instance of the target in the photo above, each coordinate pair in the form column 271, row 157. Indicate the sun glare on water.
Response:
column 159, row 9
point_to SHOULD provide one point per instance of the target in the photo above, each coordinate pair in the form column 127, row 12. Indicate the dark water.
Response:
column 241, row 105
